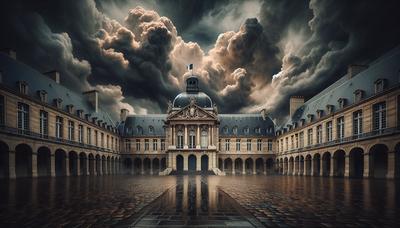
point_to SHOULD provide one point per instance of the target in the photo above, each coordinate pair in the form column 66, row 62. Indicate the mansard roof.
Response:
column 13, row 71
column 245, row 121
column 386, row 67
column 139, row 125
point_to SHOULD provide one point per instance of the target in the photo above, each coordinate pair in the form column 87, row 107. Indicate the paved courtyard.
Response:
column 202, row 201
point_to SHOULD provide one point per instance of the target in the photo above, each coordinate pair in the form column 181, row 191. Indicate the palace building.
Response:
column 350, row 129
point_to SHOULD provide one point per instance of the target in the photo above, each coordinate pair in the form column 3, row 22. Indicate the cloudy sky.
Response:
column 249, row 55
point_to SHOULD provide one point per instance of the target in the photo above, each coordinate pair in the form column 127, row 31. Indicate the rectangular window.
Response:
column 180, row 140
column 379, row 116
column 59, row 127
column 259, row 144
column 227, row 145
column 108, row 141
column 296, row 140
column 155, row 142
column 248, row 144
column 310, row 137
column 329, row 131
column 282, row 149
column 287, row 143
column 80, row 133
column 302, row 139
column 162, row 144
column 269, row 144
column 89, row 136
column 146, row 145
column 23, row 118
column 44, row 123
column 340, row 127
column 2, row 111
column 96, row 138
column 128, row 145
column 357, row 122
column 137, row 144
column 219, row 144
column 291, row 142
column 102, row 140
column 237, row 144
column 71, row 130
column 319, row 134
column 112, row 143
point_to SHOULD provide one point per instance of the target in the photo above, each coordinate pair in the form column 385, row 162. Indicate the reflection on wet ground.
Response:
column 242, row 201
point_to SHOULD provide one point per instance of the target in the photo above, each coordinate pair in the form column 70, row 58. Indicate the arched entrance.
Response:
column 91, row 164
column 356, row 162
column 259, row 166
column 339, row 163
column 378, row 165
column 156, row 166
column 192, row 163
column 23, row 160
column 270, row 165
column 326, row 164
column 238, row 166
column 73, row 163
column 127, row 165
column 163, row 164
column 301, row 164
column 308, row 165
column 83, row 169
column 316, row 165
column 248, row 166
column 44, row 162
column 228, row 166
column 137, row 166
column 98, row 163
column 4, row 160
column 204, row 163
column 146, row 165
column 60, row 157
column 179, row 163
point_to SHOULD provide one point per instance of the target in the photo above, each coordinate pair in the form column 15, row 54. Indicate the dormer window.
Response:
column 380, row 85
column 139, row 130
column 320, row 113
column 151, row 129
column 225, row 129
column 79, row 113
column 289, row 126
column 294, row 125
column 342, row 102
column 246, row 130
column 42, row 95
column 302, row 122
column 70, row 108
column 329, row 109
column 23, row 87
column 257, row 130
column 94, row 119
column 104, row 125
column 87, row 117
column 310, row 117
column 58, row 102
column 358, row 95
column 235, row 130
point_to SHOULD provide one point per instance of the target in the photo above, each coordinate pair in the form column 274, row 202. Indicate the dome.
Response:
column 201, row 99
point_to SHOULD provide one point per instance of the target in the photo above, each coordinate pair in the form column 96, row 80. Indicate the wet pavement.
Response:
column 202, row 201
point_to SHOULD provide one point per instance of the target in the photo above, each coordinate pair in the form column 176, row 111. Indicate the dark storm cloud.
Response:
column 138, row 55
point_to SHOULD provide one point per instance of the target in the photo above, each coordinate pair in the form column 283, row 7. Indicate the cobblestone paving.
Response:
column 195, row 202
column 284, row 201
column 77, row 201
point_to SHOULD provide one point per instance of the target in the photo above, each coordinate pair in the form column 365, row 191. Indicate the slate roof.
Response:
column 130, row 126
column 386, row 67
column 243, row 122
column 13, row 71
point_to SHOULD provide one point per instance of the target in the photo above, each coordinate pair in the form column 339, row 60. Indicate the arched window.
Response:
column 225, row 130
column 180, row 140
column 246, row 130
column 204, row 138
column 151, row 129
column 257, row 130
column 139, row 130
column 192, row 139
column 235, row 130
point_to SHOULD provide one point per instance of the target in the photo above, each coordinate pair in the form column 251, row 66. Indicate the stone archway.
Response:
column 291, row 166
column 163, row 164
column 326, row 164
column 156, row 166
column 356, row 162
column 128, row 165
column 179, row 163
column 238, row 166
column 60, row 162
column 228, row 166
column 248, row 169
column 73, row 163
column 91, row 164
column 4, row 160
column 192, row 163
column 137, row 166
column 220, row 164
column 339, row 163
column 23, row 161
column 269, row 165
column 316, row 165
column 260, row 166
column 98, row 165
column 83, row 169
column 147, row 165
column 378, row 163
column 44, row 162
column 301, row 165
column 204, row 163
column 308, row 162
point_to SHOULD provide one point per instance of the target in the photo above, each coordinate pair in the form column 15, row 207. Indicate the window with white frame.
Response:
column 71, row 129
column 59, row 127
column 237, row 144
column 44, row 123
column 96, row 138
column 319, row 134
column 155, row 143
column 137, row 144
column 259, row 144
column 310, row 137
column 269, row 144
column 287, row 143
column 379, row 85
column 340, row 127
column 227, row 144
column 329, row 131
column 302, row 139
column 204, row 138
column 23, row 117
column 102, row 140
column 248, row 144
column 89, row 136
column 192, row 139
column 379, row 117
column 146, row 145
column 179, row 140
column 128, row 145
column 357, row 122
column 80, row 133
column 162, row 144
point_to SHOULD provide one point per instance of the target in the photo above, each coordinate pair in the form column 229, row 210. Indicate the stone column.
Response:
column 366, row 165
column 151, row 167
column 331, row 168
column 198, row 137
column 185, row 138
column 67, row 172
column 391, row 165
column 198, row 162
column 171, row 132
column 321, row 167
column 254, row 167
column 233, row 167
column 223, row 166
column 78, row 166
column 34, row 172
column 346, row 165
column 52, row 165
column 265, row 167
column 211, row 135
column 244, row 167
column 185, row 162
column 296, row 167
column 142, row 167
column 312, row 167
column 305, row 167
column 11, row 165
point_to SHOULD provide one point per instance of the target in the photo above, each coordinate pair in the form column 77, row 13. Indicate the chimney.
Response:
column 55, row 75
column 93, row 97
column 124, row 114
column 10, row 52
column 354, row 69
column 295, row 103
column 264, row 113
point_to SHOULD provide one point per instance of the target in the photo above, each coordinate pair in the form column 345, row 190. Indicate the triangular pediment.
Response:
column 192, row 112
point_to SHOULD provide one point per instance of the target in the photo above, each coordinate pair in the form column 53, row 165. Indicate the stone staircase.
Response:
column 165, row 172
